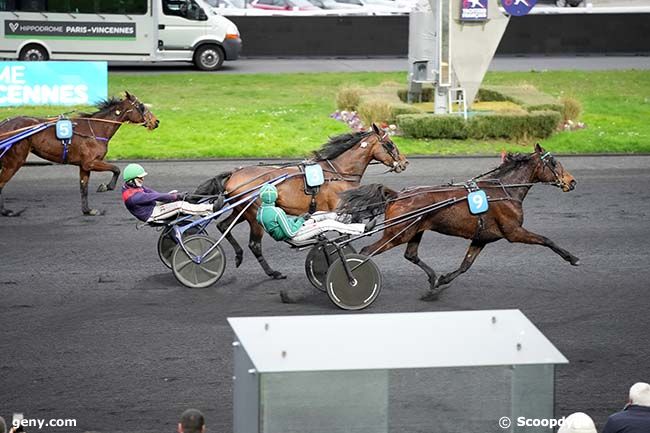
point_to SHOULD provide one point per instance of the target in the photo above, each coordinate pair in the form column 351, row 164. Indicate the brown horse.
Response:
column 87, row 148
column 344, row 160
column 506, row 187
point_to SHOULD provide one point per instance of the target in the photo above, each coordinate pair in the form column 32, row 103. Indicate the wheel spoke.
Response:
column 196, row 277
column 210, row 271
column 211, row 258
column 180, row 266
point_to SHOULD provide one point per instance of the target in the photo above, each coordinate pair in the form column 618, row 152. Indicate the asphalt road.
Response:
column 94, row 328
column 388, row 64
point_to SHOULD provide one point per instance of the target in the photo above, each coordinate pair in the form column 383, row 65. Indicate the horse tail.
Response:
column 214, row 186
column 367, row 201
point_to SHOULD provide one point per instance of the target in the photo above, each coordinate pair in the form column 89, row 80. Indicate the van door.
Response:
column 181, row 23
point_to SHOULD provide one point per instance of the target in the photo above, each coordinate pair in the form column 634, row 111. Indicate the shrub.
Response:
column 516, row 126
column 527, row 96
column 571, row 109
column 399, row 109
column 348, row 98
column 374, row 111
column 545, row 107
column 432, row 126
column 537, row 124
column 491, row 94
column 427, row 94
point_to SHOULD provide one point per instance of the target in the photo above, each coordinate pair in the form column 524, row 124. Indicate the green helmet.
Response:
column 132, row 171
column 268, row 194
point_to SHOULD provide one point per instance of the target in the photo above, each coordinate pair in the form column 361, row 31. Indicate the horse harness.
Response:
column 313, row 190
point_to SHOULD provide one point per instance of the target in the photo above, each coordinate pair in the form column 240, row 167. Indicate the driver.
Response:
column 151, row 206
column 282, row 227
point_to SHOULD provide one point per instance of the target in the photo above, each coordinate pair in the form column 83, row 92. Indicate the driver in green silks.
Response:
column 282, row 227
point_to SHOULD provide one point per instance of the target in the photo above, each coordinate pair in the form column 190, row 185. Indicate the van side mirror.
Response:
column 202, row 15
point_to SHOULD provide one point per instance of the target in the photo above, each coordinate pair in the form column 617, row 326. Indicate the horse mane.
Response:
column 104, row 105
column 339, row 144
column 367, row 201
column 213, row 186
column 511, row 162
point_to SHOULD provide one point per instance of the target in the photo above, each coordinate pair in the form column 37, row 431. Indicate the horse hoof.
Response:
column 102, row 188
column 285, row 298
column 575, row 261
column 278, row 276
column 93, row 212
column 10, row 213
column 238, row 260
column 431, row 295
column 440, row 281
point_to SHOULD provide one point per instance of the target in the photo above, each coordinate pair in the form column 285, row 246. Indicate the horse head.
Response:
column 385, row 151
column 550, row 170
column 137, row 112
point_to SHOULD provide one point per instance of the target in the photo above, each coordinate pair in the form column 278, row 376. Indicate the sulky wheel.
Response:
column 198, row 275
column 166, row 244
column 319, row 260
column 365, row 288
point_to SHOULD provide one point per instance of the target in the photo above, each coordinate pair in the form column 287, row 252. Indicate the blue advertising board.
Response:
column 518, row 8
column 52, row 83
column 473, row 10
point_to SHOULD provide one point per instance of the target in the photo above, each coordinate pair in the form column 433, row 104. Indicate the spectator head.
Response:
column 3, row 425
column 192, row 421
column 578, row 423
column 640, row 394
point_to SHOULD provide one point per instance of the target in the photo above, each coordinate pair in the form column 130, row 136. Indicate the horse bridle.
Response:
column 549, row 162
column 390, row 148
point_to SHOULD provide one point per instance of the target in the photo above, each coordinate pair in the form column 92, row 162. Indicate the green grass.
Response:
column 286, row 115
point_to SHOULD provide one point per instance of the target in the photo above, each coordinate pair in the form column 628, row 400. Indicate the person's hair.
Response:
column 192, row 421
column 3, row 425
column 640, row 394
column 578, row 422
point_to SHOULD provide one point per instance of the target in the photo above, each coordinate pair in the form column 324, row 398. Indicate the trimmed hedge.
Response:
column 427, row 94
column 528, row 97
column 397, row 109
column 433, row 126
column 538, row 124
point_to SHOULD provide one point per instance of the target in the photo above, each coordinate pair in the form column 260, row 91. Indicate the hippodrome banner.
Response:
column 60, row 29
column 52, row 83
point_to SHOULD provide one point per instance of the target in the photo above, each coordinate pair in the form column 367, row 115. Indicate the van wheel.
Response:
column 33, row 53
column 209, row 57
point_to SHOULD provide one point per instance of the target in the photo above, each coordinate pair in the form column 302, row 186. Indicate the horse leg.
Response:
column 411, row 254
column 223, row 226
column 84, row 176
column 524, row 236
column 255, row 244
column 99, row 165
column 11, row 163
column 473, row 251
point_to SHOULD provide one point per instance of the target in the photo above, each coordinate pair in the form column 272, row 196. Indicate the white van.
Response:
column 129, row 30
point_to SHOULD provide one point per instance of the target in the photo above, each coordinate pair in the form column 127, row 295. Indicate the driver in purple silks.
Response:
column 151, row 206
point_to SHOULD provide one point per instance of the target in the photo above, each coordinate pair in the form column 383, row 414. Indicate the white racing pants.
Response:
column 322, row 222
column 165, row 211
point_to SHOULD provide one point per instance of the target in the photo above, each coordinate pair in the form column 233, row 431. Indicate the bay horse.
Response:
column 344, row 160
column 506, row 188
column 87, row 148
